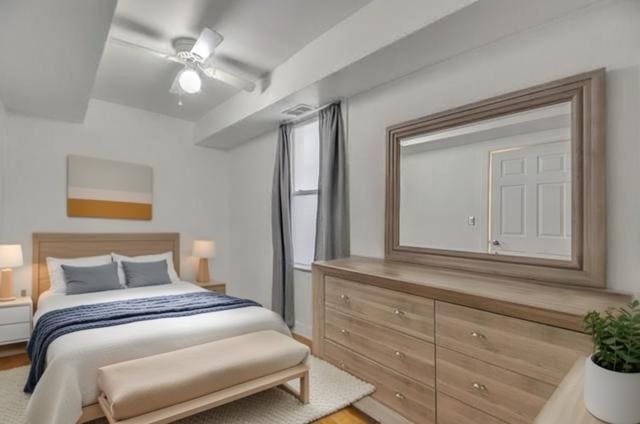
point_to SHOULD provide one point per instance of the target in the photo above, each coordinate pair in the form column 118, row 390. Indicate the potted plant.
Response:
column 612, row 373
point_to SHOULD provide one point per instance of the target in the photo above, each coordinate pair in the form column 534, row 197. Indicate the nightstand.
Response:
column 15, row 320
column 215, row 286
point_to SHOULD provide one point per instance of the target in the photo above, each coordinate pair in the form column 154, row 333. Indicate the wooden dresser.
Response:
column 448, row 347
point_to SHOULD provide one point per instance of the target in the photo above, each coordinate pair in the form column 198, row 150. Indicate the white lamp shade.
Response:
column 190, row 81
column 10, row 255
column 204, row 249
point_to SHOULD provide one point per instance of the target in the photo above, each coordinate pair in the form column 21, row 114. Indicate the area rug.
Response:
column 331, row 390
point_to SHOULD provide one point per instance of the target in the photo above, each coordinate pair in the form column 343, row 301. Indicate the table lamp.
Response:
column 10, row 257
column 203, row 249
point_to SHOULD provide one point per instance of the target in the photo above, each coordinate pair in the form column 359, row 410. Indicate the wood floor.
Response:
column 348, row 415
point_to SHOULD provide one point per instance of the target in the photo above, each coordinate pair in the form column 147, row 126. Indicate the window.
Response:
column 305, row 142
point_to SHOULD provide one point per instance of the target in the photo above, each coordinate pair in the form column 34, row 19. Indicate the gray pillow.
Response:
column 140, row 274
column 89, row 279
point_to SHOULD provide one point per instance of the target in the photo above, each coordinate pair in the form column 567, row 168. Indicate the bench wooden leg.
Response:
column 304, row 388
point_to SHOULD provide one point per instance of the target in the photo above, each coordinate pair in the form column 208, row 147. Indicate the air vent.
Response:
column 298, row 110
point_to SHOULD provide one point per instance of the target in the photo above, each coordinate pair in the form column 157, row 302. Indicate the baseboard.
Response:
column 379, row 412
column 13, row 349
column 302, row 339
column 303, row 329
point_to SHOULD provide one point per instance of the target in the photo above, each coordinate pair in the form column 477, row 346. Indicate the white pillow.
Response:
column 56, row 274
column 168, row 256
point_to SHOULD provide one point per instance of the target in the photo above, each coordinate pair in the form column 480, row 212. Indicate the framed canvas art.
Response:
column 100, row 188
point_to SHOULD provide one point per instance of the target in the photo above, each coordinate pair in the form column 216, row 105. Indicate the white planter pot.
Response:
column 611, row 396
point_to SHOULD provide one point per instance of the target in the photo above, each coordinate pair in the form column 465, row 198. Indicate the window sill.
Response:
column 303, row 268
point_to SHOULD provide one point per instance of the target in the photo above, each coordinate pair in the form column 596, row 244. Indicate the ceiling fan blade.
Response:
column 206, row 43
column 228, row 78
column 154, row 52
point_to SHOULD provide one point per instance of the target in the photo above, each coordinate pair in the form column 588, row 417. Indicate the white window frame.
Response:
column 294, row 192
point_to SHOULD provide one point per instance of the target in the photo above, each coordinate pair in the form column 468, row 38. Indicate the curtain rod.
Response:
column 307, row 115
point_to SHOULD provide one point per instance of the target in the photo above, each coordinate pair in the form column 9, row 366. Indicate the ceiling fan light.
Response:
column 190, row 81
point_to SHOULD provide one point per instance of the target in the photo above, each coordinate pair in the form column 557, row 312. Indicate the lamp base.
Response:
column 203, row 271
column 6, row 286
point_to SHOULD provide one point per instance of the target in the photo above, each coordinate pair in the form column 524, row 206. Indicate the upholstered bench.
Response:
column 166, row 387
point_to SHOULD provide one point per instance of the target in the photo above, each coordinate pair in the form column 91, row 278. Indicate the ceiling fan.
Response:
column 196, row 58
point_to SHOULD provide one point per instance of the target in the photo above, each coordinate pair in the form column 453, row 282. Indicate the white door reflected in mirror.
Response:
column 530, row 210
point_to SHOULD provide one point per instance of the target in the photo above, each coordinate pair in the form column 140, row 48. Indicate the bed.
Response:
column 67, row 391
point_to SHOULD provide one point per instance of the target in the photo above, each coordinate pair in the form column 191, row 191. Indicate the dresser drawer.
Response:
column 501, row 393
column 536, row 350
column 14, row 314
column 405, row 354
column 15, row 332
column 414, row 401
column 452, row 411
column 406, row 313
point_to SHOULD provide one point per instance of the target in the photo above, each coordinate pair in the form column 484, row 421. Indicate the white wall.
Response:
column 251, row 172
column 603, row 36
column 190, row 183
column 3, row 160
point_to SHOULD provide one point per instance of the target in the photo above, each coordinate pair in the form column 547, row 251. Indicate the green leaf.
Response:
column 616, row 337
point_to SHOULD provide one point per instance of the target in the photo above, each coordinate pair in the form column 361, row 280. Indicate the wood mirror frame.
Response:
column 587, row 267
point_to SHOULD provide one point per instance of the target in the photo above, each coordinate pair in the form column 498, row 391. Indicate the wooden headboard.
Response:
column 75, row 245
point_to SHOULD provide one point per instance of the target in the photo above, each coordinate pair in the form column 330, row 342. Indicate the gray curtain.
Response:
column 282, row 293
column 332, row 221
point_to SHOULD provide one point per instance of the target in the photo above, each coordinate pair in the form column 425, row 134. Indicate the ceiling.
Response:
column 258, row 36
column 51, row 51
column 378, row 44
column 299, row 51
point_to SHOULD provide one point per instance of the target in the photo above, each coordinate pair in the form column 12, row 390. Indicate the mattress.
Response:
column 70, row 378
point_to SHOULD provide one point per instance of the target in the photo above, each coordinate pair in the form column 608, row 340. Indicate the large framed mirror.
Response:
column 511, row 186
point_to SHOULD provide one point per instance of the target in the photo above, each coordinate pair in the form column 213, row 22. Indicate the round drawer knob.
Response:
column 344, row 331
column 344, row 298
column 399, row 395
column 477, row 335
column 479, row 387
column 398, row 354
column 398, row 312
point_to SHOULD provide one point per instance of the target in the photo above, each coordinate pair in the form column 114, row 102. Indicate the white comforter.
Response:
column 70, row 379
